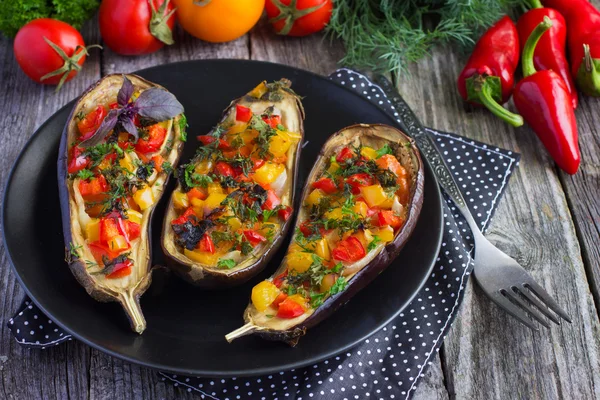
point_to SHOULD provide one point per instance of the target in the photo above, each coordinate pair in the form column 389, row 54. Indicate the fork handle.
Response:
column 413, row 127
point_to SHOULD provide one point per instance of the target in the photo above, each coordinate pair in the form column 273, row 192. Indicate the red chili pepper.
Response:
column 488, row 77
column 289, row 309
column 544, row 100
column 349, row 250
column 583, row 38
column 285, row 213
column 550, row 50
column 325, row 184
column 78, row 161
column 345, row 154
column 254, row 237
column 242, row 113
column 272, row 200
column 206, row 244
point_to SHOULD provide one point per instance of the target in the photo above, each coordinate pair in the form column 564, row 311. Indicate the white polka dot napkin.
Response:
column 390, row 363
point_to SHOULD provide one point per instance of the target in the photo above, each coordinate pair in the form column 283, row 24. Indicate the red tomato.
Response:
column 273, row 120
column 242, row 113
column 308, row 16
column 349, row 250
column 356, row 181
column 345, row 154
column 78, row 161
column 289, row 309
column 120, row 270
column 206, row 244
column 224, row 169
column 285, row 213
column 254, row 237
column 325, row 184
column 278, row 280
column 133, row 27
column 156, row 137
column 89, row 124
column 272, row 201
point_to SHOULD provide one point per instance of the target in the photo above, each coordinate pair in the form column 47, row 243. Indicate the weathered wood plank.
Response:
column 59, row 372
column 432, row 386
column 488, row 354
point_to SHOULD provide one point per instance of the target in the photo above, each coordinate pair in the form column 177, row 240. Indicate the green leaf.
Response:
column 226, row 264
column 338, row 286
column 376, row 240
column 386, row 149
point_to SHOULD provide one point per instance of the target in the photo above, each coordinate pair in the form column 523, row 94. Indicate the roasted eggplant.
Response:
column 117, row 151
column 233, row 205
column 359, row 207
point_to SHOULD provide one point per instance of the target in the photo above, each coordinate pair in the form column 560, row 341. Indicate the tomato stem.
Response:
column 290, row 13
column 70, row 63
column 158, row 22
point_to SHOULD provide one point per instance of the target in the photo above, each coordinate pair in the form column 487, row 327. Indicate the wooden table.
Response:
column 548, row 221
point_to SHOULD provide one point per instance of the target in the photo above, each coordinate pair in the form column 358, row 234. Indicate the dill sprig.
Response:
column 387, row 35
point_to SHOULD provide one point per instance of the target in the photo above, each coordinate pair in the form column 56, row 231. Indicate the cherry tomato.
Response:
column 133, row 27
column 156, row 137
column 327, row 185
column 305, row 18
column 218, row 20
column 38, row 47
column 89, row 124
column 289, row 309
column 242, row 113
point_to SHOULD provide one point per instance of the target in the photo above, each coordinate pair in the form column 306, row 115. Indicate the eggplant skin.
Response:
column 387, row 255
column 76, row 264
column 213, row 278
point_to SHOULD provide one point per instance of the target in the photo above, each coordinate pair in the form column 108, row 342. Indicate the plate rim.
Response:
column 198, row 372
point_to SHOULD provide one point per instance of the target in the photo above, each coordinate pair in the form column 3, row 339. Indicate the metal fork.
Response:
column 502, row 278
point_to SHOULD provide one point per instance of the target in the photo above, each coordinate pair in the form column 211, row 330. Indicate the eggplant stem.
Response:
column 247, row 329
column 134, row 312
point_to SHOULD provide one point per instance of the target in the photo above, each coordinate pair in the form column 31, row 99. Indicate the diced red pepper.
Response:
column 196, row 193
column 132, row 229
column 156, row 138
column 357, row 181
column 387, row 217
column 325, row 184
column 78, row 161
column 206, row 244
column 93, row 187
column 183, row 217
column 113, row 106
column 111, row 227
column 345, row 154
column 208, row 139
column 242, row 113
column 98, row 250
column 289, row 309
column 279, row 299
column 278, row 280
column 273, row 120
column 254, row 237
column 224, row 169
column 285, row 213
column 158, row 162
column 272, row 200
column 120, row 270
column 89, row 124
column 349, row 250
column 258, row 163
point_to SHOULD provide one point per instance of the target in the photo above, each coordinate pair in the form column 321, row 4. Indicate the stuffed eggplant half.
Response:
column 360, row 205
column 233, row 204
column 116, row 153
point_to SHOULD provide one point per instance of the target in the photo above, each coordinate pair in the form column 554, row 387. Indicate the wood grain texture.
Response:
column 488, row 354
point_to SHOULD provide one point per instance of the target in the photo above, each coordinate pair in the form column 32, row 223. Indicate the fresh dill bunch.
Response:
column 387, row 35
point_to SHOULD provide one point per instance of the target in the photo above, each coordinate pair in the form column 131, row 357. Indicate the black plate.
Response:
column 186, row 326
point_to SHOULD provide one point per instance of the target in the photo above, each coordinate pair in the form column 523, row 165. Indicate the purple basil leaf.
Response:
column 107, row 125
column 129, row 126
column 125, row 92
column 158, row 104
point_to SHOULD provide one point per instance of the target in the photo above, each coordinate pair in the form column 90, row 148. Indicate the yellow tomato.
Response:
column 263, row 294
column 218, row 20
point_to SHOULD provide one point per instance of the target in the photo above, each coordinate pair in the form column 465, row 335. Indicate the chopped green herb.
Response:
column 167, row 168
column 226, row 264
column 182, row 125
column 338, row 286
column 386, row 149
column 85, row 174
column 74, row 250
column 376, row 240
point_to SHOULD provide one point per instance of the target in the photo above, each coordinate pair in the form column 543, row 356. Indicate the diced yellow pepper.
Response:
column 314, row 198
column 104, row 164
column 264, row 294
column 369, row 153
column 180, row 200
column 385, row 234
column 248, row 135
column 333, row 167
column 299, row 261
column 279, row 144
column 214, row 188
column 234, row 223
column 134, row 216
column 214, row 200
column 322, row 249
column 92, row 230
column 298, row 298
column 126, row 163
column 118, row 243
column 268, row 173
column 336, row 213
column 374, row 195
column 361, row 208
column 387, row 203
column 203, row 167
column 259, row 90
column 203, row 257
column 144, row 197
column 196, row 202
column 268, row 228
